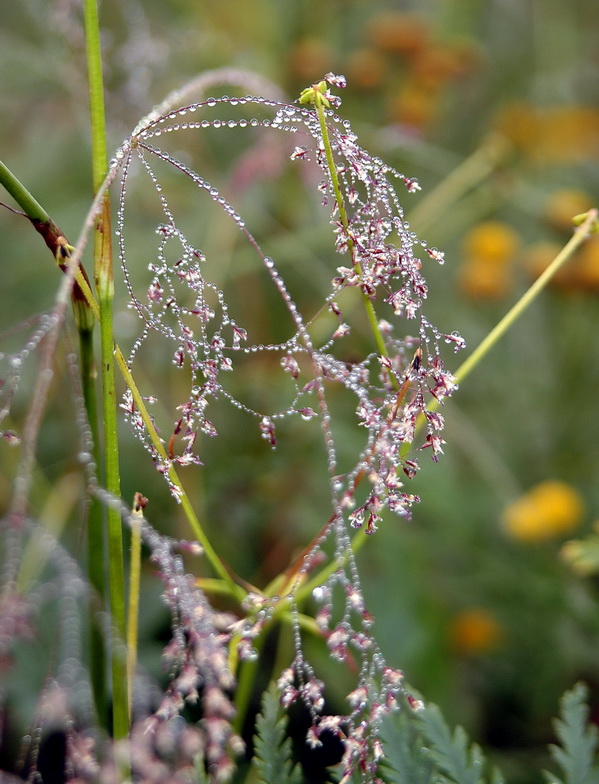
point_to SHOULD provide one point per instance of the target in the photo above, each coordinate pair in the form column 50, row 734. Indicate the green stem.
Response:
column 116, row 569
column 105, row 287
column 32, row 208
column 96, row 93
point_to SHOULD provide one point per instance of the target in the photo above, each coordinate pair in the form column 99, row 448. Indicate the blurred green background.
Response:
column 473, row 599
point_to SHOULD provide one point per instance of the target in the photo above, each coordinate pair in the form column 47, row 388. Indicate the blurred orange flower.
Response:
column 548, row 510
column 399, row 32
column 309, row 58
column 413, row 104
column 475, row 631
column 365, row 68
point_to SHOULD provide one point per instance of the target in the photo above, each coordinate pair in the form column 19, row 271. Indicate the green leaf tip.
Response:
column 273, row 760
column 577, row 754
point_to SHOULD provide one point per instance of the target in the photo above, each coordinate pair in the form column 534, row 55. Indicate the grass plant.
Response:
column 359, row 362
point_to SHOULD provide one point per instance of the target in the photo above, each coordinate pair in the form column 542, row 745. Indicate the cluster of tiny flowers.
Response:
column 197, row 659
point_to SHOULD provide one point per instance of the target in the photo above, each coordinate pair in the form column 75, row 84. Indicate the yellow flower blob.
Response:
column 492, row 241
column 488, row 252
column 550, row 509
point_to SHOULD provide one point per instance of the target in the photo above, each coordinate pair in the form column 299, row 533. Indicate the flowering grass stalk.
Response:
column 396, row 383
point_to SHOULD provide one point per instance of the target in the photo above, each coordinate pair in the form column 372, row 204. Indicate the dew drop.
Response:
column 319, row 593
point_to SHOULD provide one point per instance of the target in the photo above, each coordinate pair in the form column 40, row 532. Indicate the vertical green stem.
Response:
column 96, row 93
column 105, row 287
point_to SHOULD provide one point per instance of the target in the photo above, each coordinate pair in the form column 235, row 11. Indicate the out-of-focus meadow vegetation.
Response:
column 494, row 106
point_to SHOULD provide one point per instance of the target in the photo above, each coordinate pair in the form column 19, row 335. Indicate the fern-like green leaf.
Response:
column 457, row 760
column 577, row 754
column 272, row 749
column 419, row 748
column 404, row 761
